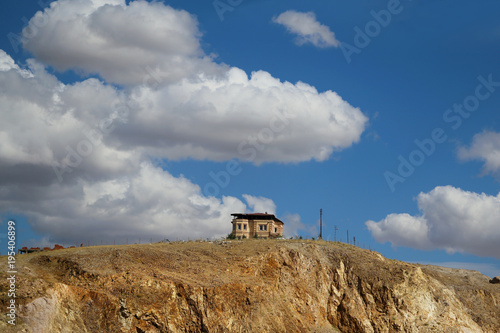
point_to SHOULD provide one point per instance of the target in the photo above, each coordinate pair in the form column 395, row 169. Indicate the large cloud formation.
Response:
column 257, row 119
column 203, row 111
column 452, row 219
column 78, row 158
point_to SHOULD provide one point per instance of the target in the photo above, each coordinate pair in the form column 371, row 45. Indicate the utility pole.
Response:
column 320, row 224
column 354, row 240
column 335, row 228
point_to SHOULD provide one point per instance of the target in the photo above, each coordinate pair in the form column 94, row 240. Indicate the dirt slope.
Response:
column 244, row 286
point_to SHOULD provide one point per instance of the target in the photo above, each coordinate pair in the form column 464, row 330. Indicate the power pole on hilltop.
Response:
column 335, row 228
column 320, row 224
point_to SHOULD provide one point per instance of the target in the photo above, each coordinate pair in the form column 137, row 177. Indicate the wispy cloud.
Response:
column 307, row 29
column 294, row 226
column 260, row 204
column 485, row 147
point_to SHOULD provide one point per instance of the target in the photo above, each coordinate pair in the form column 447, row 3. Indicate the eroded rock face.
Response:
column 251, row 286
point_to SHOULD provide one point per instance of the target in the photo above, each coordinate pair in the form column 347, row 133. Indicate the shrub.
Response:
column 231, row 236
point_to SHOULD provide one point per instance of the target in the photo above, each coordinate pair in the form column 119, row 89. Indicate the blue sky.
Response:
column 139, row 120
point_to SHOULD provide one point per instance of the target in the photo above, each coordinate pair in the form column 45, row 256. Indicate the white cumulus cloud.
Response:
column 294, row 225
column 485, row 147
column 63, row 168
column 202, row 111
column 451, row 219
column 77, row 158
column 401, row 230
column 307, row 29
column 138, row 43
column 147, row 203
column 260, row 204
column 257, row 119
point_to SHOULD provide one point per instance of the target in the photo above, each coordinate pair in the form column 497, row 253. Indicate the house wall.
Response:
column 265, row 232
column 253, row 228
column 279, row 227
column 242, row 232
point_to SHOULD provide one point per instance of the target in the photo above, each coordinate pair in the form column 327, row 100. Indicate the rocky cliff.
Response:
column 248, row 286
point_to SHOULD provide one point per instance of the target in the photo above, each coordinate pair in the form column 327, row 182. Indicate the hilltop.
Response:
column 244, row 286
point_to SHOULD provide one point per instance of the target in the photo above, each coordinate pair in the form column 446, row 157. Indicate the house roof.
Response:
column 256, row 216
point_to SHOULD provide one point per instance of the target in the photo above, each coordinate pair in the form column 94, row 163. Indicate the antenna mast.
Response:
column 320, row 224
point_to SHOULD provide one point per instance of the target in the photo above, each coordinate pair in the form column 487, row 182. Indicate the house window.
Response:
column 275, row 230
column 239, row 226
column 263, row 227
column 244, row 227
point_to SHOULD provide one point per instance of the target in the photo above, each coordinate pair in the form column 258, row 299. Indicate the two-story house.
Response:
column 262, row 225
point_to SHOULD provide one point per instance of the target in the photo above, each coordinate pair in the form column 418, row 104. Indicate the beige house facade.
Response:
column 262, row 225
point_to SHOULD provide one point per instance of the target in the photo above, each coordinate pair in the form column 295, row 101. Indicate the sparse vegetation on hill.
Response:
column 245, row 286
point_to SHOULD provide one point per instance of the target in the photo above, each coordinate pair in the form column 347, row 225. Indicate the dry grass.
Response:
column 119, row 270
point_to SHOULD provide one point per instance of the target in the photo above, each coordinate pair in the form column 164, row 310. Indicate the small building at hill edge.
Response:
column 260, row 225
